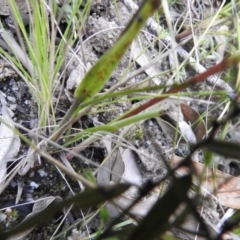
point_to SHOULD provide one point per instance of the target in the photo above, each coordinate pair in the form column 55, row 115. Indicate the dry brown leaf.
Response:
column 224, row 186
column 198, row 126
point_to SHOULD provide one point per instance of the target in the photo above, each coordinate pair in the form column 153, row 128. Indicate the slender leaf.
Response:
column 157, row 220
column 227, row 149
column 88, row 198
column 99, row 74
column 96, row 78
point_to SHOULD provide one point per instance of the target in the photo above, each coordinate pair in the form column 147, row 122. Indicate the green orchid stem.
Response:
column 226, row 63
column 96, row 78
column 72, row 113
column 100, row 73
column 66, row 122
column 115, row 126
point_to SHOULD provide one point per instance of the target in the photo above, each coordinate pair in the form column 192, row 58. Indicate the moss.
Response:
column 138, row 134
column 15, row 213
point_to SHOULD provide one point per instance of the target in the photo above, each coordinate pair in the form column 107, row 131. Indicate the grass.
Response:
column 46, row 58
column 42, row 65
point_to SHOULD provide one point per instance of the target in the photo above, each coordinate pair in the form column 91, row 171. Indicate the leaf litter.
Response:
column 156, row 143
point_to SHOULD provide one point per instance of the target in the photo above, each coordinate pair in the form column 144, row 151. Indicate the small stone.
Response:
column 33, row 123
column 13, row 107
column 42, row 173
column 13, row 184
column 2, row 217
column 34, row 185
column 11, row 99
column 26, row 102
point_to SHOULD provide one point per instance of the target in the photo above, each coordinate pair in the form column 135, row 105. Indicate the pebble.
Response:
column 33, row 123
column 29, row 199
column 26, row 102
column 2, row 217
column 13, row 107
column 34, row 185
column 13, row 184
column 42, row 173
column 11, row 99
column 11, row 113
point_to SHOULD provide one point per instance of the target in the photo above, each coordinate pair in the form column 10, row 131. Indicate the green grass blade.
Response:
column 96, row 78
column 99, row 74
